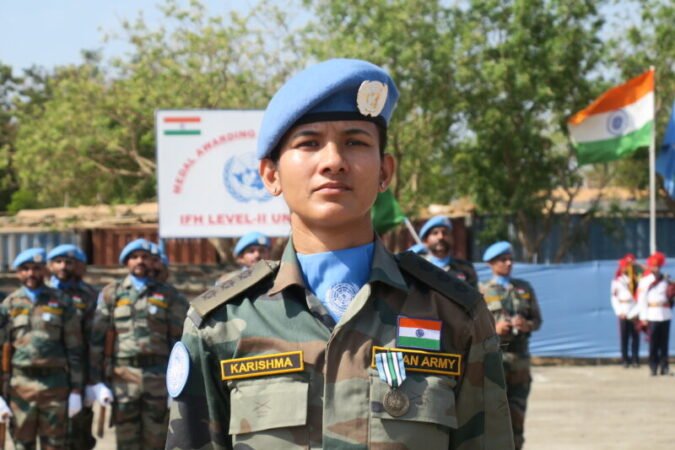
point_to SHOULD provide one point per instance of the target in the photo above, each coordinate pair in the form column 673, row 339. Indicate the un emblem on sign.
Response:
column 618, row 122
column 242, row 180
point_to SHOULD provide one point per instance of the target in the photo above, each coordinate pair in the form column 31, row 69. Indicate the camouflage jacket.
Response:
column 44, row 334
column 504, row 303
column 84, row 298
column 270, row 369
column 146, row 322
column 463, row 270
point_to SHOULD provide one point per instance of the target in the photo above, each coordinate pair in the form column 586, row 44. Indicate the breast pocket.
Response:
column 52, row 324
column 426, row 424
column 270, row 412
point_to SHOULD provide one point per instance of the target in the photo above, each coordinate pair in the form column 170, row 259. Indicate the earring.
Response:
column 275, row 191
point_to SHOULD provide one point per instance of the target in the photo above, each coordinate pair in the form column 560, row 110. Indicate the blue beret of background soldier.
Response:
column 516, row 312
column 322, row 146
column 436, row 233
column 41, row 330
column 249, row 249
column 65, row 262
column 137, row 321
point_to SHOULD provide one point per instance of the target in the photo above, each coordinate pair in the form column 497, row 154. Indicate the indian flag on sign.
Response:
column 617, row 123
column 182, row 126
column 419, row 333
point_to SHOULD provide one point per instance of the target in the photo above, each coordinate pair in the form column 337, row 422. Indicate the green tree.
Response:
column 94, row 140
column 524, row 68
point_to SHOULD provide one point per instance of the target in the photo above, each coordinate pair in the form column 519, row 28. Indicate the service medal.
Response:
column 391, row 369
column 396, row 403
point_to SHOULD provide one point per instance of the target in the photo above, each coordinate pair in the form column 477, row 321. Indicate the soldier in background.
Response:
column 249, row 249
column 159, row 264
column 43, row 330
column 655, row 309
column 137, row 320
column 291, row 354
column 624, row 290
column 63, row 263
column 436, row 234
column 516, row 312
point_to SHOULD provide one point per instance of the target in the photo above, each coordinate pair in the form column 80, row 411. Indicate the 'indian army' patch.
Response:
column 426, row 362
column 260, row 366
column 177, row 370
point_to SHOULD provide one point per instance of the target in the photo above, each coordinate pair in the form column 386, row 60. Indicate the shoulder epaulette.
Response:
column 229, row 289
column 439, row 280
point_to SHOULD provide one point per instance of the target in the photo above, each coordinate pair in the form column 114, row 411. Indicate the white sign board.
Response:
column 207, row 175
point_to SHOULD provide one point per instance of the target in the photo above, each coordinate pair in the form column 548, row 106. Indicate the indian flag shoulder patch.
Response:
column 424, row 334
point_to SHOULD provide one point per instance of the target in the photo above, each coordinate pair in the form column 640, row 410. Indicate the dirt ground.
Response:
column 587, row 407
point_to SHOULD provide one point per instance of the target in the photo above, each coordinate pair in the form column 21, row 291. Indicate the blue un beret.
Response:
column 67, row 250
column 252, row 238
column 328, row 91
column 436, row 221
column 497, row 249
column 138, row 244
column 157, row 251
column 31, row 255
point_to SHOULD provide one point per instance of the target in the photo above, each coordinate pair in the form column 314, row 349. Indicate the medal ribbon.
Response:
column 390, row 367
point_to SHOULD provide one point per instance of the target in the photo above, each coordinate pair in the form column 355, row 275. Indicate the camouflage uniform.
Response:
column 335, row 401
column 146, row 323
column 46, row 364
column 517, row 298
column 84, row 298
column 461, row 269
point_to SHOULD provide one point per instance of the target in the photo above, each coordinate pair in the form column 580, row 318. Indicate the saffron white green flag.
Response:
column 617, row 123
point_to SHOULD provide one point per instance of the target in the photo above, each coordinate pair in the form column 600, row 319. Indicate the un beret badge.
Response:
column 371, row 97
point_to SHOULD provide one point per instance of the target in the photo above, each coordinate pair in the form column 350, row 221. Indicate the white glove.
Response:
column 104, row 396
column 89, row 395
column 5, row 412
column 74, row 404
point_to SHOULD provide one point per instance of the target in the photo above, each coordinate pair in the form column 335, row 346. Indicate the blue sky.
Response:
column 53, row 32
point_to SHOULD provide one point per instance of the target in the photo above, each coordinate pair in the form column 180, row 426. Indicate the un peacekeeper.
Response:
column 341, row 344
column 43, row 329
column 516, row 312
column 436, row 234
column 249, row 249
column 159, row 264
column 138, row 319
column 62, row 261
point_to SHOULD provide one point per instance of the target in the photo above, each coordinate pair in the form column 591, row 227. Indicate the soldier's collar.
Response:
column 384, row 269
column 289, row 273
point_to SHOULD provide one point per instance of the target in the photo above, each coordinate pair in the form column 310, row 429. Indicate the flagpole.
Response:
column 412, row 231
column 652, row 183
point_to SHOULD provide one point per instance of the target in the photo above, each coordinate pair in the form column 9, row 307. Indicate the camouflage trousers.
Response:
column 40, row 408
column 80, row 436
column 518, row 380
column 141, row 412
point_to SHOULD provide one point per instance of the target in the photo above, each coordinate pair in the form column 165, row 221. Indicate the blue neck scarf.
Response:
column 502, row 280
column 32, row 294
column 335, row 277
column 61, row 285
column 439, row 262
column 138, row 282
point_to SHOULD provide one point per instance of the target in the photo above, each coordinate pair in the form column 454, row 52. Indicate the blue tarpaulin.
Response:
column 575, row 302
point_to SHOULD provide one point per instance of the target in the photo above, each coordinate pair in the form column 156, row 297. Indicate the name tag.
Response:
column 426, row 362
column 260, row 366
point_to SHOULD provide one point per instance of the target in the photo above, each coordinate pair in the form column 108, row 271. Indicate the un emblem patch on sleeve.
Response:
column 178, row 370
column 242, row 179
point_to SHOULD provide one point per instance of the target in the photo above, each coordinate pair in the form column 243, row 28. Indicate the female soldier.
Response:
column 341, row 344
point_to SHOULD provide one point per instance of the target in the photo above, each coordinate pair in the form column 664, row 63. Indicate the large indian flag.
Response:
column 617, row 123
